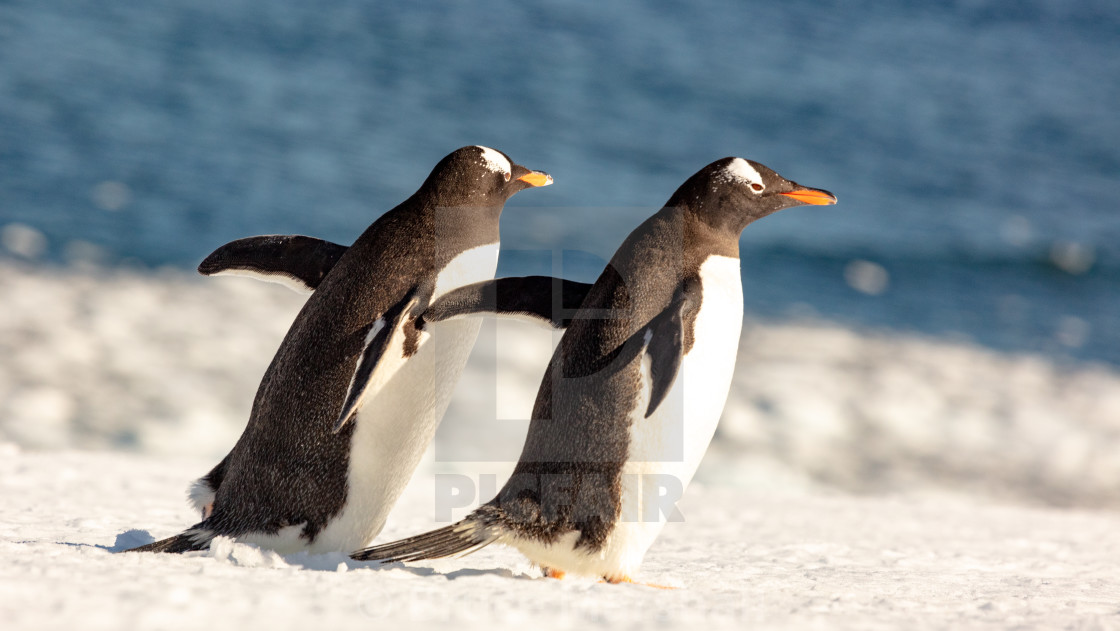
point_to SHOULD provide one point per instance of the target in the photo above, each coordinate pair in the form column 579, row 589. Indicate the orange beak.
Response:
column 536, row 178
column 814, row 196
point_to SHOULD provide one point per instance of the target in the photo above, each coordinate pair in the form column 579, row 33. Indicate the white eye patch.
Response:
column 495, row 161
column 741, row 171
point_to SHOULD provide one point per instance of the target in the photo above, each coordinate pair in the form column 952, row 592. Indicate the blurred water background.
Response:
column 973, row 144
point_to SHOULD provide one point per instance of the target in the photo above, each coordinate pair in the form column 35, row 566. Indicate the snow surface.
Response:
column 858, row 480
column 798, row 561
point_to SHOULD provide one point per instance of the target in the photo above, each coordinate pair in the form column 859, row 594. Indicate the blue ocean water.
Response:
column 974, row 145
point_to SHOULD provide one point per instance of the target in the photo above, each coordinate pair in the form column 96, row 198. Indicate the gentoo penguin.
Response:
column 632, row 395
column 355, row 391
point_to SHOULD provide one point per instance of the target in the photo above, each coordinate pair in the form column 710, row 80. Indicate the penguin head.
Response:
column 732, row 192
column 479, row 176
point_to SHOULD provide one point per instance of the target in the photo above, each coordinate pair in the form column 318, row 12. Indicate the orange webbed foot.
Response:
column 615, row 580
column 550, row 572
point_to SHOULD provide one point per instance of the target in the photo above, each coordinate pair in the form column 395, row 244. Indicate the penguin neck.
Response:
column 464, row 227
column 667, row 248
column 694, row 233
column 433, row 235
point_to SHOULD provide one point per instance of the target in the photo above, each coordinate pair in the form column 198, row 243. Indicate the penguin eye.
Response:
column 508, row 175
column 756, row 187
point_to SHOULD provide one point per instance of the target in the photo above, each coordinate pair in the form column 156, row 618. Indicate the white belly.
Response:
column 673, row 440
column 396, row 425
column 666, row 448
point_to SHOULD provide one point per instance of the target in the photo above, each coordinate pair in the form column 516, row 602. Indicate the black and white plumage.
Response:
column 634, row 389
column 356, row 390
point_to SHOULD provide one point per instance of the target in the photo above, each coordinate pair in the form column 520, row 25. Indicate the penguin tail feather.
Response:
column 189, row 541
column 461, row 538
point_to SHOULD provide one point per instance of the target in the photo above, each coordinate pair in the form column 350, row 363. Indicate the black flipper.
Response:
column 544, row 299
column 462, row 537
column 374, row 367
column 296, row 261
column 664, row 341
